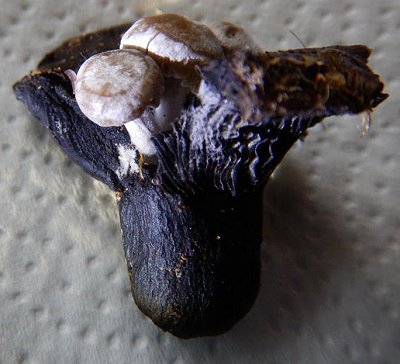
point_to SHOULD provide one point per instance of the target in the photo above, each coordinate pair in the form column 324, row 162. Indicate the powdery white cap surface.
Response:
column 115, row 87
column 174, row 38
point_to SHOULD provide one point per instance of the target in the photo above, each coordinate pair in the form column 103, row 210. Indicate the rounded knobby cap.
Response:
column 173, row 38
column 233, row 37
column 114, row 87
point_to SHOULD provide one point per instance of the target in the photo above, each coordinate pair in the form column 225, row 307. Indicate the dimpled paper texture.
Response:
column 331, row 252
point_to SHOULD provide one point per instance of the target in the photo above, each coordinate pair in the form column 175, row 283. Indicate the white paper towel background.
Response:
column 331, row 253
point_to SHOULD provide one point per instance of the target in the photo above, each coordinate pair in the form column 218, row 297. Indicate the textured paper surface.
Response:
column 331, row 253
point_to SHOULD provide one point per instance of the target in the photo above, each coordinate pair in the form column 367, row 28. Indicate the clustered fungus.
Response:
column 211, row 115
column 143, row 84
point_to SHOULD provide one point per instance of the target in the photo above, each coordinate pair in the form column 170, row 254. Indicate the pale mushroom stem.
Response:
column 141, row 129
column 140, row 137
column 71, row 74
column 171, row 103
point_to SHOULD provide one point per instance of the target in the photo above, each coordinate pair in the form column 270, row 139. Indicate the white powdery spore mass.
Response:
column 127, row 161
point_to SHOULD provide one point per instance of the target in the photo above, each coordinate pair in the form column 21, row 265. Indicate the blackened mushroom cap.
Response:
column 115, row 87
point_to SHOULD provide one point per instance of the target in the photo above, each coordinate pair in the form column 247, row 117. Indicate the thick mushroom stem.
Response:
column 194, row 271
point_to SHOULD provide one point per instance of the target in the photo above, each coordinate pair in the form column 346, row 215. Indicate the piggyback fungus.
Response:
column 116, row 87
column 153, row 70
column 173, row 38
column 217, row 115
column 179, row 45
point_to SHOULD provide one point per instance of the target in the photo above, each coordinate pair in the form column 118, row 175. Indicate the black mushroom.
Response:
column 218, row 117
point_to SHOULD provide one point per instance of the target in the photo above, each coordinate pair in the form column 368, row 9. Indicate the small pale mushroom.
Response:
column 234, row 37
column 178, row 44
column 143, row 84
column 173, row 40
column 115, row 88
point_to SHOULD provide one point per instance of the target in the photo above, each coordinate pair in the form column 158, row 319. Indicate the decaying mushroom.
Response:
column 192, row 219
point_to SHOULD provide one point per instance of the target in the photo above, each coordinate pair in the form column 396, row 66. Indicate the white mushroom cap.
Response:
column 173, row 38
column 234, row 37
column 115, row 87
